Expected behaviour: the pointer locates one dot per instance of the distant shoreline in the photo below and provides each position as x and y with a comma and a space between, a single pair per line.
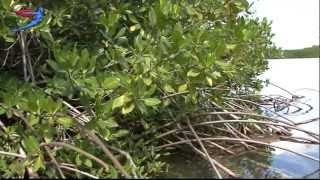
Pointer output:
293, 58
309, 52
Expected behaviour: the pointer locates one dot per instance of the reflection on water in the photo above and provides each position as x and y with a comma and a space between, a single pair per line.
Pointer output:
300, 77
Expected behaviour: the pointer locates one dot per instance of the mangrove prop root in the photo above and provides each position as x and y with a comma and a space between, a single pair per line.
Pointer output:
205, 150
239, 140
81, 118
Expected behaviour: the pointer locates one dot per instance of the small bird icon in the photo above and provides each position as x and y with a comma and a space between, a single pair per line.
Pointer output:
37, 17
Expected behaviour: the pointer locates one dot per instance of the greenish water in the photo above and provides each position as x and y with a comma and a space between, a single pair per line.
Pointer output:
300, 76
187, 166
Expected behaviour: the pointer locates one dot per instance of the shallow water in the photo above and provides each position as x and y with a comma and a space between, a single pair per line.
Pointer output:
300, 77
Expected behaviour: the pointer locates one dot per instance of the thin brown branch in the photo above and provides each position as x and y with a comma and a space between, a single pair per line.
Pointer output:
96, 139
225, 169
24, 56
236, 136
299, 140
69, 146
238, 140
114, 160
243, 113
308, 121
78, 171
232, 115
204, 150
128, 156
222, 148
54, 161
254, 103
247, 121
260, 122
232, 131
13, 154
222, 167
175, 94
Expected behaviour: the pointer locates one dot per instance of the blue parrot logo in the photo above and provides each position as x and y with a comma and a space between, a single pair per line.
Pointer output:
38, 18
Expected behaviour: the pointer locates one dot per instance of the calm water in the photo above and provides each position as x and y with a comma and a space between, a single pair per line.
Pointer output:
300, 77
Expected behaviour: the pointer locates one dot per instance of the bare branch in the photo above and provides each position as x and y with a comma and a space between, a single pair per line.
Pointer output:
69, 146
78, 171
205, 150
238, 140
13, 154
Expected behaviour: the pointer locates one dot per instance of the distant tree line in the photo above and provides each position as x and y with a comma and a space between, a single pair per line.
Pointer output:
309, 52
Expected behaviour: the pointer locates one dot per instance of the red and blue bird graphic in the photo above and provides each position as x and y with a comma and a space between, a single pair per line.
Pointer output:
37, 17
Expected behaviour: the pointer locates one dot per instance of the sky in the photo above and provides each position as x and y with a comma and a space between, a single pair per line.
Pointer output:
295, 22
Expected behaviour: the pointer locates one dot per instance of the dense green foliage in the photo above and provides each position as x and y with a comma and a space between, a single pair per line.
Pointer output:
117, 60
309, 52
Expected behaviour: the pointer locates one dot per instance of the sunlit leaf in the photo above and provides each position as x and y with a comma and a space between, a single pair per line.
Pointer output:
65, 121
127, 109
152, 101
183, 88
209, 81
31, 144
192, 73
120, 101
168, 88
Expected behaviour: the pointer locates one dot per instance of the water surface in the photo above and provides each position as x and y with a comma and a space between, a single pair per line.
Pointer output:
300, 77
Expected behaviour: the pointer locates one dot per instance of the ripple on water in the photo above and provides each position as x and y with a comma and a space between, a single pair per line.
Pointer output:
300, 76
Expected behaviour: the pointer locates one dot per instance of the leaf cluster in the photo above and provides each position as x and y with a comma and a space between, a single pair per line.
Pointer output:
124, 63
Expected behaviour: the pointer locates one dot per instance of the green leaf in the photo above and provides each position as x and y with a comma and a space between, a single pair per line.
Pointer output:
122, 40
209, 81
120, 33
231, 46
133, 19
78, 160
166, 102
190, 10
150, 91
246, 34
111, 83
152, 101
6, 3
134, 27
38, 164
109, 123
168, 88
33, 120
242, 4
216, 74
128, 109
183, 88
54, 66
147, 81
142, 107
65, 121
119, 134
47, 36
88, 163
145, 124
2, 111
192, 73
120, 101
106, 108
152, 17
31, 144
